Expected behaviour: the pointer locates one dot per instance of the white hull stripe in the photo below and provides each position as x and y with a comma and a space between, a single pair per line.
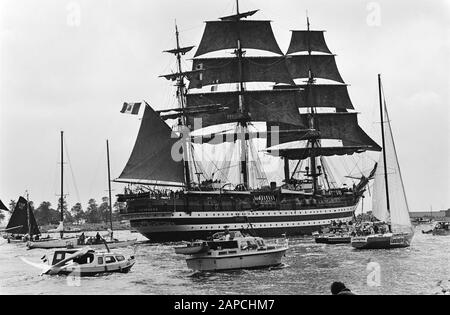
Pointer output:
249, 214
143, 228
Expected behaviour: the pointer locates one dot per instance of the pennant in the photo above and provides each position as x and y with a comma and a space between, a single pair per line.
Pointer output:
131, 108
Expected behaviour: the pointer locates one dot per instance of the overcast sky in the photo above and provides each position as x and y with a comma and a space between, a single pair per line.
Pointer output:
70, 65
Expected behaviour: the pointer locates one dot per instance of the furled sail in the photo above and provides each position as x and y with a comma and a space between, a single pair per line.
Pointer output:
220, 35
226, 70
151, 159
20, 223
399, 214
322, 66
239, 16
302, 41
336, 126
277, 106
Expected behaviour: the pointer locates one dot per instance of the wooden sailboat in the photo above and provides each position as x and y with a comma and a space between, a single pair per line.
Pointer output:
389, 199
22, 225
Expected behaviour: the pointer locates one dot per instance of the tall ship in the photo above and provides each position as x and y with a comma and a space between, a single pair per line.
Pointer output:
241, 79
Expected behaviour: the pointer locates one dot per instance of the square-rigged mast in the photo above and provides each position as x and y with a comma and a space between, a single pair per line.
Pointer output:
278, 106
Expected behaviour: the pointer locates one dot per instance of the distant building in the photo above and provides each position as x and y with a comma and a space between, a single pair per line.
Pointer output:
443, 215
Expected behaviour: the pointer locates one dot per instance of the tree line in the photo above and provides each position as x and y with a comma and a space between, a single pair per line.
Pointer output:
46, 214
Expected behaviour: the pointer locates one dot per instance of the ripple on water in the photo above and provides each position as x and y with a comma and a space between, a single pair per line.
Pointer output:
309, 268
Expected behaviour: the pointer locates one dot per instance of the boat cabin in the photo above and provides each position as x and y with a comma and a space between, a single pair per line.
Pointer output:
88, 258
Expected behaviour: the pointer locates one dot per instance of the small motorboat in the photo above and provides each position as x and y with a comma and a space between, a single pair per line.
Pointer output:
87, 262
334, 239
192, 248
336, 235
231, 251
441, 228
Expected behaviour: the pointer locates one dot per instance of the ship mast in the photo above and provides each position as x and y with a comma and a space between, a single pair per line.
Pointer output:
243, 123
312, 142
384, 144
28, 217
181, 101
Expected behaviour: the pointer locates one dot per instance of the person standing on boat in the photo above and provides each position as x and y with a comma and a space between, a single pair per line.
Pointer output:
98, 238
227, 234
81, 239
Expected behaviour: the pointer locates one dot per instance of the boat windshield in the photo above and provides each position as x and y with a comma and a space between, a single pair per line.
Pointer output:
217, 245
85, 259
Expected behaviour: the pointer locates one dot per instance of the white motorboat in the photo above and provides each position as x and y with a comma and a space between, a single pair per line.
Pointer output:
233, 250
87, 262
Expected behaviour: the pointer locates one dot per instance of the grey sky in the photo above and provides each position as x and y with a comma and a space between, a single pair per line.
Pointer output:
59, 71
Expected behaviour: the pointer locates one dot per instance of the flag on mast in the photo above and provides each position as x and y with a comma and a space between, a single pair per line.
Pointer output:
131, 108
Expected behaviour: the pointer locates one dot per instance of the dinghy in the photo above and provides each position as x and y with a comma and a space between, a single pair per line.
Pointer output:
22, 224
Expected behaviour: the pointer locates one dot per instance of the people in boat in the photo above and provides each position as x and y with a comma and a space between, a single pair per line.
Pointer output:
338, 288
82, 239
98, 239
376, 230
227, 234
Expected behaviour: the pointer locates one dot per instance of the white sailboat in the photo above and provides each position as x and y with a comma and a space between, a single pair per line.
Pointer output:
389, 198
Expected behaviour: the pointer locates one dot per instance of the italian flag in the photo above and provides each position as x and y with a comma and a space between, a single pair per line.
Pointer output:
131, 108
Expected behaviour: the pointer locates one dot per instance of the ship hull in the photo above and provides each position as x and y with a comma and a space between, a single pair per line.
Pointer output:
181, 226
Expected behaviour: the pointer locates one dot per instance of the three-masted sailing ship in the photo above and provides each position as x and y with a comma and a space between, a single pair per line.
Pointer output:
299, 112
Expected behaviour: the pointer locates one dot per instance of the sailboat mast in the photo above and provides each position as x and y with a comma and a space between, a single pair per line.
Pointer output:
242, 110
28, 215
384, 144
109, 186
62, 182
180, 94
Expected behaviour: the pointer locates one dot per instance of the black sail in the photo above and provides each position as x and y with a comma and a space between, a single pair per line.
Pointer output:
220, 35
334, 126
326, 95
303, 41
19, 223
226, 70
151, 159
322, 67
277, 106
